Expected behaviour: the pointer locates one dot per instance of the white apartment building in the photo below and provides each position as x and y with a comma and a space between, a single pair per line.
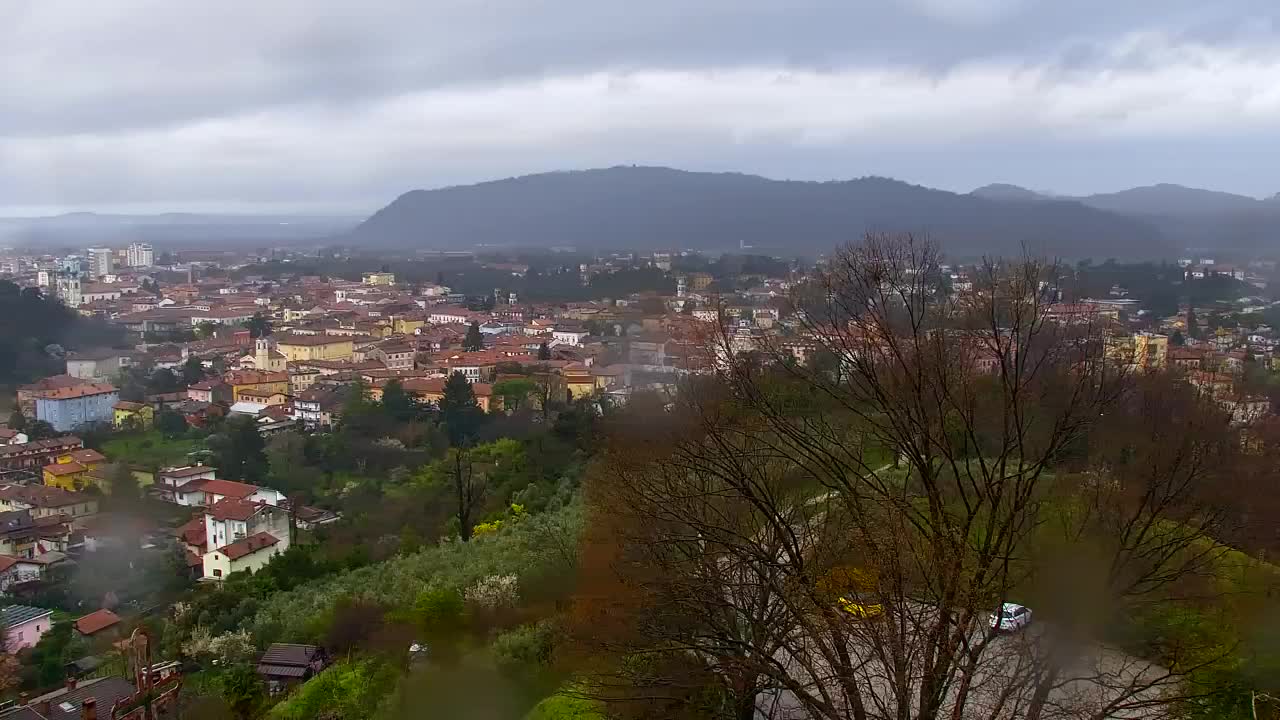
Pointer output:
140, 255
101, 261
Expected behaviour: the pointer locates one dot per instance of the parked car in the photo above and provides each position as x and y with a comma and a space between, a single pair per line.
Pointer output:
1011, 618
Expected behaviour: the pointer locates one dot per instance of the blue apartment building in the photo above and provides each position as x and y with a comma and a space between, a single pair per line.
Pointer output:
68, 408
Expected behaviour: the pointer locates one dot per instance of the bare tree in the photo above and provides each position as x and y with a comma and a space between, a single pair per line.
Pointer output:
953, 451
469, 486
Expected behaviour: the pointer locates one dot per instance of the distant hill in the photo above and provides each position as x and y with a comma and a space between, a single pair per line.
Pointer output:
1005, 191
1167, 199
1195, 218
653, 207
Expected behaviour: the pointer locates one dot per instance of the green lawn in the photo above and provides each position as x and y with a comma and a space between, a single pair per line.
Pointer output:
150, 449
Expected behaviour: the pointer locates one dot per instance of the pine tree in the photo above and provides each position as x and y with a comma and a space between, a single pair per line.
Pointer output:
544, 352
1192, 331
474, 340
459, 410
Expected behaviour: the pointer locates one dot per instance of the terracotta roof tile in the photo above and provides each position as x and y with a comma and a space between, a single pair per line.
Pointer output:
96, 621
249, 545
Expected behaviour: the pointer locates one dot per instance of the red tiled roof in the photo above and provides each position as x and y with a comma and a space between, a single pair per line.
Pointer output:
76, 391
192, 531
229, 488
87, 455
96, 621
249, 545
7, 562
70, 468
233, 509
255, 377
45, 496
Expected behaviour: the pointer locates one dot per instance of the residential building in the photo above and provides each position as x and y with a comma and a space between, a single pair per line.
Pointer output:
67, 476
98, 365
24, 625
318, 408
68, 408
241, 380
140, 255
27, 393
266, 398
298, 347
379, 278
88, 457
432, 390
15, 571
243, 535
578, 380
97, 697
23, 536
133, 415
572, 336
98, 623
37, 453
47, 501
101, 261
223, 316
210, 391
284, 665
247, 555
396, 356
209, 492
169, 480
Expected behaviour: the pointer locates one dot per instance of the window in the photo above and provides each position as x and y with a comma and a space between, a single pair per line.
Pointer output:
217, 573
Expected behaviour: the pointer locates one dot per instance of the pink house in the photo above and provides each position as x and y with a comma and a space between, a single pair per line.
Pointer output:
23, 625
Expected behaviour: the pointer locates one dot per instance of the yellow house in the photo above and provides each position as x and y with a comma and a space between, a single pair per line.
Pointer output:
300, 348
269, 382
132, 414
68, 476
379, 278
89, 458
265, 397
578, 380
406, 325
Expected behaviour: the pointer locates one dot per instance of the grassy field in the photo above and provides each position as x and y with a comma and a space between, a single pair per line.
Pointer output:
150, 449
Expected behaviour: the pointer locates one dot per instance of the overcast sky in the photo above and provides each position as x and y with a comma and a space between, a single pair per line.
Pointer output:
342, 105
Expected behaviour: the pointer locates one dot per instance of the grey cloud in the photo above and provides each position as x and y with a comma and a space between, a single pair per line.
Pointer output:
238, 101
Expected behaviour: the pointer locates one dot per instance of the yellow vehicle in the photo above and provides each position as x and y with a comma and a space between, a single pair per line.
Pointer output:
861, 609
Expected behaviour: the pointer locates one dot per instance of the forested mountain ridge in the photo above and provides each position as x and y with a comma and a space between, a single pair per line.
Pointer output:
654, 207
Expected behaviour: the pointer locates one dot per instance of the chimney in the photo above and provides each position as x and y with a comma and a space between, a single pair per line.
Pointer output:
89, 710
23, 698
70, 683
42, 708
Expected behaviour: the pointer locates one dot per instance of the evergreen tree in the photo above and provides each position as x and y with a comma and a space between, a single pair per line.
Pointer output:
17, 421
239, 452
259, 326
1177, 339
1192, 331
192, 371
398, 404
544, 352
474, 340
459, 410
